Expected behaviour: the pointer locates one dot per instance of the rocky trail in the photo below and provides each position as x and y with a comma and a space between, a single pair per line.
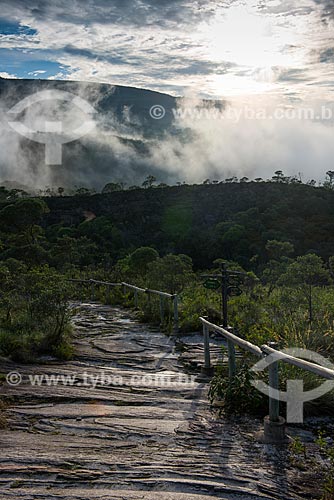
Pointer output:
130, 423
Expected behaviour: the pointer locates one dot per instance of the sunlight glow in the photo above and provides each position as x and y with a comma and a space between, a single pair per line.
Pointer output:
247, 38
252, 44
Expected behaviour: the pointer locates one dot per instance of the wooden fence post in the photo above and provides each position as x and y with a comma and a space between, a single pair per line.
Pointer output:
273, 386
274, 425
231, 356
136, 299
207, 359
92, 291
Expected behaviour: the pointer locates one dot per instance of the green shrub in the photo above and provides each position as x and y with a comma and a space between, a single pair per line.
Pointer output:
64, 351
34, 313
237, 394
327, 452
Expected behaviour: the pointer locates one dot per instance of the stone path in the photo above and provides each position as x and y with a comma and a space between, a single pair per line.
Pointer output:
135, 438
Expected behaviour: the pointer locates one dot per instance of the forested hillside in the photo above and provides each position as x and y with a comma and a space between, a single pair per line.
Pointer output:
206, 222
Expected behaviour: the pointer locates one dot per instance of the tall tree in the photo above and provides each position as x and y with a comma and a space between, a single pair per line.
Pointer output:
306, 273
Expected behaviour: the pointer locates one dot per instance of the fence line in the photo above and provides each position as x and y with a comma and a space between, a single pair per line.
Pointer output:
262, 352
244, 344
136, 290
321, 371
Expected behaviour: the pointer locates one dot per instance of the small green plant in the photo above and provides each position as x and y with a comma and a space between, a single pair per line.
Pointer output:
218, 385
64, 351
237, 395
298, 454
298, 447
328, 487
327, 451
321, 440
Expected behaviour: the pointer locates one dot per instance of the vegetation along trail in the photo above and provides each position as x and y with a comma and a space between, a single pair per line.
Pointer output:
133, 437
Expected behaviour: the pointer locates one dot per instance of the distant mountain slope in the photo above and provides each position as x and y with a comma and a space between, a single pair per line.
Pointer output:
105, 98
125, 144
115, 150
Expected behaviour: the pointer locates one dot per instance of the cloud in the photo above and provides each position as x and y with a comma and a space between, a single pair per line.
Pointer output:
327, 56
38, 72
293, 75
249, 146
4, 74
128, 146
262, 52
327, 8
120, 12
212, 48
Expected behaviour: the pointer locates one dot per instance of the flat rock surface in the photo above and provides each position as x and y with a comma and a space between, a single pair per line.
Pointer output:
124, 420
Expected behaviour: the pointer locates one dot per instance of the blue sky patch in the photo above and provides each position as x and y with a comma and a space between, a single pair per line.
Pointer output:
30, 64
14, 28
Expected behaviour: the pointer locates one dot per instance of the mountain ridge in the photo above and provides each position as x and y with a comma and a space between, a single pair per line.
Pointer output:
125, 144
